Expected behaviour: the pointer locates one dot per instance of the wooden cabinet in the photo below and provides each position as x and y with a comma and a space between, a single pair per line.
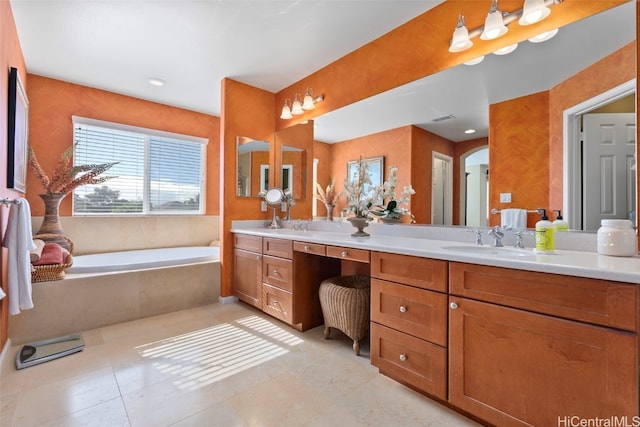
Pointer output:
247, 269
409, 321
282, 277
518, 356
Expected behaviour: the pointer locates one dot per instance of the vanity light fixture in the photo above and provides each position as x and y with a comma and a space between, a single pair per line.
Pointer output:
496, 22
298, 107
533, 11
475, 61
506, 50
543, 37
286, 111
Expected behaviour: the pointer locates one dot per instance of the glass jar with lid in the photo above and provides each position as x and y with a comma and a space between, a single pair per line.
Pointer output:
617, 237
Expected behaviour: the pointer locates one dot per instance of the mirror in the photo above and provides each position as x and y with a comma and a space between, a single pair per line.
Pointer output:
466, 92
252, 174
292, 170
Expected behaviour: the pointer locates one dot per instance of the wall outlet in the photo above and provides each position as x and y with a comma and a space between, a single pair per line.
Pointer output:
505, 197
263, 206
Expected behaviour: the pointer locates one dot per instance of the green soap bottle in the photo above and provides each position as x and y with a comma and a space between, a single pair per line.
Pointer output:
545, 242
560, 224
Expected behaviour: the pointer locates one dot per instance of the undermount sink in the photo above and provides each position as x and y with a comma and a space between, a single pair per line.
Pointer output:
501, 252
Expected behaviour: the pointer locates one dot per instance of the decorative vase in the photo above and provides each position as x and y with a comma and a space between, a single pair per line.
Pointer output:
329, 212
359, 223
51, 228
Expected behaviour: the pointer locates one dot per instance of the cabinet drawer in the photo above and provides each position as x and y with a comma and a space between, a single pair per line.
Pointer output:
417, 312
246, 242
415, 271
277, 247
310, 248
410, 360
360, 255
277, 303
590, 300
277, 272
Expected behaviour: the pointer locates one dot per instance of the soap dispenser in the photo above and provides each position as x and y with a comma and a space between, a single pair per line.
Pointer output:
544, 234
560, 224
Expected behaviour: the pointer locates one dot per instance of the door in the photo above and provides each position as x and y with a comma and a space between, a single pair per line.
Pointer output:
608, 178
247, 277
442, 190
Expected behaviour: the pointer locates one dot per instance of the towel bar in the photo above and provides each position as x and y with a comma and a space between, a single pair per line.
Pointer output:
538, 211
7, 202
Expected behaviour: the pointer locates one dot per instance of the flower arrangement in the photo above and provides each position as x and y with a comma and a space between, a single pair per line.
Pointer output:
65, 177
328, 195
386, 193
359, 201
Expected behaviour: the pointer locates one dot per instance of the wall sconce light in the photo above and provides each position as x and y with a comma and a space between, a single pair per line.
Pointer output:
299, 107
495, 25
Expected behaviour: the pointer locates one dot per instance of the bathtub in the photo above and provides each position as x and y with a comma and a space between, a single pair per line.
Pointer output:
110, 288
142, 259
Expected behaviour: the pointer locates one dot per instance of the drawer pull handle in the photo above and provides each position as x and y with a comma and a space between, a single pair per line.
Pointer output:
345, 253
403, 357
307, 248
258, 257
453, 305
275, 273
403, 309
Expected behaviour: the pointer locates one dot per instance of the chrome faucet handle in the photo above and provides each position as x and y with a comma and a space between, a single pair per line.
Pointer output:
478, 232
519, 240
497, 234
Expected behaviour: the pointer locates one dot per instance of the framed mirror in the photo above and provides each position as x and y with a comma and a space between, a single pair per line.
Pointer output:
252, 166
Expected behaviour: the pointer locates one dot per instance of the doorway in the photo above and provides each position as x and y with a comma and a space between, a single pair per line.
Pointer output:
589, 195
474, 188
442, 189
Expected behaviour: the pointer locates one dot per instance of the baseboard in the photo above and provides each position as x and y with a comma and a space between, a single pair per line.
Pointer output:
228, 300
4, 353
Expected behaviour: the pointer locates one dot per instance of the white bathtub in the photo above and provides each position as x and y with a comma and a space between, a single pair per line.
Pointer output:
142, 259
110, 288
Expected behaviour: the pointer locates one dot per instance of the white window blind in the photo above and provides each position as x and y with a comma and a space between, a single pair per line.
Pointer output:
155, 173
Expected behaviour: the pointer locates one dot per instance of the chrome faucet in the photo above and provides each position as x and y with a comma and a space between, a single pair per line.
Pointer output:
478, 232
519, 240
497, 234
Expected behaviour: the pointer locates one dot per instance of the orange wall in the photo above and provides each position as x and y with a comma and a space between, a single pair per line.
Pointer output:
246, 111
10, 56
53, 102
612, 71
519, 146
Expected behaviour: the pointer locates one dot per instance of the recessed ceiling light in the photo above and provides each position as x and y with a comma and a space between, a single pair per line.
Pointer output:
470, 131
156, 82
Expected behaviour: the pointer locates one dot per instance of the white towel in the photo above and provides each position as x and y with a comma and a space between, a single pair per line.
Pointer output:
513, 219
19, 242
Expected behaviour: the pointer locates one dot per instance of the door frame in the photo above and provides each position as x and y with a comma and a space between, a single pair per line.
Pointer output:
448, 188
571, 174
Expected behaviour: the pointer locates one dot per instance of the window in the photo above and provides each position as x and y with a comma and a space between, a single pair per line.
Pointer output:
156, 173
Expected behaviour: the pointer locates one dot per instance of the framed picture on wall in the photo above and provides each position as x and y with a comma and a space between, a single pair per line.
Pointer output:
18, 132
375, 166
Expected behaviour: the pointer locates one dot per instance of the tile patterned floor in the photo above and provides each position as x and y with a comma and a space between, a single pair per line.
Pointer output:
217, 365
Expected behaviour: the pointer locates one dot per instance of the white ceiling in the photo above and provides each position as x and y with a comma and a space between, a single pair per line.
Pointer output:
118, 45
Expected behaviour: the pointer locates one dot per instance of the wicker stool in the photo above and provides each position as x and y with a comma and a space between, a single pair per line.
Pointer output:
345, 306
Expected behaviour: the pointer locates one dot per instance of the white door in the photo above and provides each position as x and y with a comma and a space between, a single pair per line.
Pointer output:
442, 190
608, 178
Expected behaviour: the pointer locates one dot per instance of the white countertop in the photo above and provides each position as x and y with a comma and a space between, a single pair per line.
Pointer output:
394, 239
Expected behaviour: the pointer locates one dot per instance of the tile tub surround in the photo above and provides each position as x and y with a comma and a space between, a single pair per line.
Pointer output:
81, 302
98, 234
123, 377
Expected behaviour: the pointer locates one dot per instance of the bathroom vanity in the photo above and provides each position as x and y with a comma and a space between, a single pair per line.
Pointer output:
505, 335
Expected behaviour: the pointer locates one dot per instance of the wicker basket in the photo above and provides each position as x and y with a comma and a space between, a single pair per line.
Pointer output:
50, 272
345, 302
